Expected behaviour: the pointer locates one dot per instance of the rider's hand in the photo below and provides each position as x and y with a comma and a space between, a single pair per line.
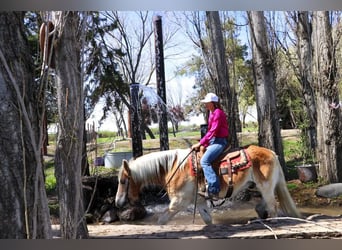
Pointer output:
196, 146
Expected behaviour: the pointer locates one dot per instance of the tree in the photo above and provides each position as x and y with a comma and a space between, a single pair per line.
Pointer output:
104, 80
304, 52
329, 120
24, 212
299, 59
204, 67
264, 81
220, 72
122, 47
69, 28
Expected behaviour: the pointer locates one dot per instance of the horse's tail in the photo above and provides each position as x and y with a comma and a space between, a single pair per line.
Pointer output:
284, 197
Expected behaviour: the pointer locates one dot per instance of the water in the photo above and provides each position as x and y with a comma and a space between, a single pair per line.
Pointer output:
148, 97
229, 213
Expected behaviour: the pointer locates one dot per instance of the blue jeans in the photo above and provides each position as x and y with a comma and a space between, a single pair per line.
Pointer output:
215, 148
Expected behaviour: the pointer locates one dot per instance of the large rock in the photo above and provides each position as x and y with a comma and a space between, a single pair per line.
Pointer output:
99, 197
329, 191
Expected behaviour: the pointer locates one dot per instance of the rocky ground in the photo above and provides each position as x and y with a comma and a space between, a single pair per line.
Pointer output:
312, 225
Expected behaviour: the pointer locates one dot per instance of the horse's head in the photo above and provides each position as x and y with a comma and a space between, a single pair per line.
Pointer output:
128, 191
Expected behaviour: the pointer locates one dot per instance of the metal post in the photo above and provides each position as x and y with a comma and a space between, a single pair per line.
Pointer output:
160, 73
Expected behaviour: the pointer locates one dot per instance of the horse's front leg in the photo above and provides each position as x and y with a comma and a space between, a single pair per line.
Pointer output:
180, 199
166, 216
176, 204
204, 210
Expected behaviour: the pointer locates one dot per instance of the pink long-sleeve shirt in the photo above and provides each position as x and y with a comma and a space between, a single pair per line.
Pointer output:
217, 127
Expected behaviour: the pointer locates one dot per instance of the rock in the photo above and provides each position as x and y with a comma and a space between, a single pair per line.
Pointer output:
110, 216
329, 191
133, 213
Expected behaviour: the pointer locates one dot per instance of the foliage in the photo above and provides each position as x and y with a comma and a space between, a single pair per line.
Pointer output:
240, 70
289, 94
50, 184
103, 77
50, 179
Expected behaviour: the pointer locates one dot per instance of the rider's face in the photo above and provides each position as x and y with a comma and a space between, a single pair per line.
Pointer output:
209, 106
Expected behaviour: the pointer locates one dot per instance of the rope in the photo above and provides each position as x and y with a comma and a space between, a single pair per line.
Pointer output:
196, 190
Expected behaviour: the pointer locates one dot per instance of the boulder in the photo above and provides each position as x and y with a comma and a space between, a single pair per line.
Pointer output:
330, 190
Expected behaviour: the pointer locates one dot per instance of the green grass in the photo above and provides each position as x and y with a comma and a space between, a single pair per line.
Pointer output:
50, 179
291, 186
50, 183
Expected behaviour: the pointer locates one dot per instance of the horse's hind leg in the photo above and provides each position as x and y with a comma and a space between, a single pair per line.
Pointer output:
268, 205
261, 210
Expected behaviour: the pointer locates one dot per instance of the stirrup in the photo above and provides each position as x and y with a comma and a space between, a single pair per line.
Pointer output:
209, 196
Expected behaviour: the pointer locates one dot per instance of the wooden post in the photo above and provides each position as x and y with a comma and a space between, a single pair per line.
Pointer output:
134, 110
160, 73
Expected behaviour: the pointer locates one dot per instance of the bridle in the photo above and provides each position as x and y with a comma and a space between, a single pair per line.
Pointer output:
126, 183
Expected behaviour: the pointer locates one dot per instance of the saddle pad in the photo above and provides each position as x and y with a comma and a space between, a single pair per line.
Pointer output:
240, 162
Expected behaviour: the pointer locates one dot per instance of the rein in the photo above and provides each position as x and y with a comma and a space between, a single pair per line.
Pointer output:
168, 181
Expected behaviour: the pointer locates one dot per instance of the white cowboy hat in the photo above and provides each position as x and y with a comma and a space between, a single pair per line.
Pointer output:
210, 97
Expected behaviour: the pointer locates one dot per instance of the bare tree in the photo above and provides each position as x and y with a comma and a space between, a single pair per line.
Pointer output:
301, 64
263, 66
219, 69
24, 212
304, 52
329, 120
69, 147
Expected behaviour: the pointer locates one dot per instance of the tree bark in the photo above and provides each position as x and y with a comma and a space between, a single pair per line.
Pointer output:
304, 52
220, 73
24, 211
68, 156
329, 120
263, 68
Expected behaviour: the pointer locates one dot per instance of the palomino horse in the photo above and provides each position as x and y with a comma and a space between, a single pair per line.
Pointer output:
172, 170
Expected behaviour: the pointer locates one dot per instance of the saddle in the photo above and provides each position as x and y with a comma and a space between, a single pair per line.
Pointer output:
232, 160
229, 162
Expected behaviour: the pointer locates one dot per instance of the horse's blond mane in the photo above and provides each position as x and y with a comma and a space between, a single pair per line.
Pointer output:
151, 168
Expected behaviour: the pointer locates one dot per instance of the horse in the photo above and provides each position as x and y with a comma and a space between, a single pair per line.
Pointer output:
172, 170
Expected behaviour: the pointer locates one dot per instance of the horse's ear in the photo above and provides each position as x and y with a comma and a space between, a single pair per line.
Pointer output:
125, 165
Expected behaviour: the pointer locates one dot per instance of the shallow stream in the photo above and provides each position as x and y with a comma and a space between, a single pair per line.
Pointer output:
228, 213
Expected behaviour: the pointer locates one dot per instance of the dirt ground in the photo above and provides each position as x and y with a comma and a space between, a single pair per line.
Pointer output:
304, 196
311, 226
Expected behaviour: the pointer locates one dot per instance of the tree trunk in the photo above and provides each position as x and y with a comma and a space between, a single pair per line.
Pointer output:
24, 211
304, 52
263, 68
68, 157
220, 73
329, 120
